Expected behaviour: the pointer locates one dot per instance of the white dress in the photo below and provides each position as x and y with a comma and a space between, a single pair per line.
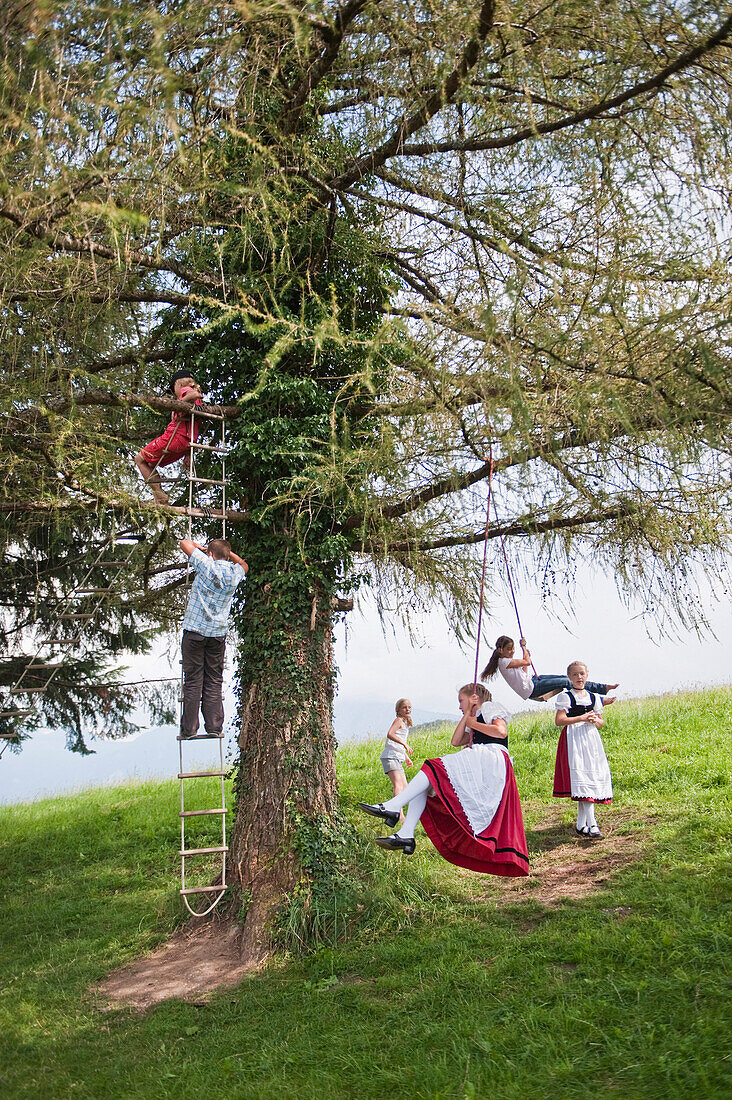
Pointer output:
474, 818
581, 771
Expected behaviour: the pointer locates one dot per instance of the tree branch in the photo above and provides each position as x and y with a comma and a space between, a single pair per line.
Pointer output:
653, 84
526, 526
545, 449
152, 297
393, 145
126, 359
452, 484
66, 242
522, 238
26, 507
63, 404
322, 63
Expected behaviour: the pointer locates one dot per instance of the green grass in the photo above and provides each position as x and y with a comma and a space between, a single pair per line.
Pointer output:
453, 986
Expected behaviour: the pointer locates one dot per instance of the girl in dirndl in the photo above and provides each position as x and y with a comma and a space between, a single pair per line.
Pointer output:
581, 771
467, 801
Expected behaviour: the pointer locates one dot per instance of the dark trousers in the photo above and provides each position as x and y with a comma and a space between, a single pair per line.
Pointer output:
546, 683
203, 674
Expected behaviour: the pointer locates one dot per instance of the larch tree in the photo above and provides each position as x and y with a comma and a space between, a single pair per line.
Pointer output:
410, 247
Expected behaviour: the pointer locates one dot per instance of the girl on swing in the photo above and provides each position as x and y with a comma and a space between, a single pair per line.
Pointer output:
467, 801
518, 672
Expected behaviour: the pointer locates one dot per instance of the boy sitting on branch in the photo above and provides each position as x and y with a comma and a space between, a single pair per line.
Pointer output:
175, 442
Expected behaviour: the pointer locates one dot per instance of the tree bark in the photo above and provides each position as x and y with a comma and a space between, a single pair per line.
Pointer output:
286, 770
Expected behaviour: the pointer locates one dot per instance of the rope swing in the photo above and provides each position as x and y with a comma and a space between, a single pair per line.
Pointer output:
485, 561
481, 599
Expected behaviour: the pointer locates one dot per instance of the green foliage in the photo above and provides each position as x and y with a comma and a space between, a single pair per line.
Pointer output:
523, 266
321, 907
416, 249
48, 568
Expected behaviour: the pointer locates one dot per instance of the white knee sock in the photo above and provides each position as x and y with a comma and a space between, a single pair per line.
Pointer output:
418, 785
416, 805
591, 822
582, 814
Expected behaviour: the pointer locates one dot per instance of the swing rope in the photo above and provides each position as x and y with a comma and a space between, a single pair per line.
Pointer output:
492, 499
485, 561
510, 585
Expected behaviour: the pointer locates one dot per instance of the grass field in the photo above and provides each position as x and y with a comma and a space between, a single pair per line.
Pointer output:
604, 974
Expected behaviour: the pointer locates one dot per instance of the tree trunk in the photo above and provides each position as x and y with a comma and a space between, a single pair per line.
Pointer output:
286, 769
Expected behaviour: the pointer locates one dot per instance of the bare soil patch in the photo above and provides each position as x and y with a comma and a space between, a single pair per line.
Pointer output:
195, 962
563, 866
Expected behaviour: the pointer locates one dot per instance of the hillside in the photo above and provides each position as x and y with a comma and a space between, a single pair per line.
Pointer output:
603, 973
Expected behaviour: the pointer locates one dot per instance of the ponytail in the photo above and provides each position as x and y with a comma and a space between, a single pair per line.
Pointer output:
492, 667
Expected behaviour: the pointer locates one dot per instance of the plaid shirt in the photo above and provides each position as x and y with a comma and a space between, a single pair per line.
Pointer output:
212, 591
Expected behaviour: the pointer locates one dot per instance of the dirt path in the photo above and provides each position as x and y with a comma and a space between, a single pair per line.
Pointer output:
566, 866
195, 962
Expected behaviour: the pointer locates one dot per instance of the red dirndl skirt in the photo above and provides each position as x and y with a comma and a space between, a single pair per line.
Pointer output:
599, 786
499, 849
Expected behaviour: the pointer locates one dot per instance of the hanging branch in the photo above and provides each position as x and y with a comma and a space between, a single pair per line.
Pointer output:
106, 399
364, 165
526, 526
584, 114
51, 507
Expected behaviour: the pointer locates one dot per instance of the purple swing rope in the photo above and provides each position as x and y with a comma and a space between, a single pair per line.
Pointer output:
492, 498
485, 560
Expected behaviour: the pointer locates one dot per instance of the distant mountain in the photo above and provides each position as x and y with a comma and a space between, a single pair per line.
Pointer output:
364, 719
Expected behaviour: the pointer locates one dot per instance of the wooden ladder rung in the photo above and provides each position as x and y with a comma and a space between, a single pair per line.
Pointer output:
16, 713
199, 775
92, 591
109, 564
204, 513
71, 615
207, 481
204, 889
39, 666
200, 813
30, 691
201, 737
202, 851
219, 449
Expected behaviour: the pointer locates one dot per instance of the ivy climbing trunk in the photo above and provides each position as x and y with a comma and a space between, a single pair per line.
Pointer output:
286, 769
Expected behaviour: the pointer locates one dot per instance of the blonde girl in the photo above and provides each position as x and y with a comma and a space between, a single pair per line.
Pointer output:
397, 751
581, 771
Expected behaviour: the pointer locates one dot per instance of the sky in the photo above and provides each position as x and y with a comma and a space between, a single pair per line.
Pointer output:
379, 663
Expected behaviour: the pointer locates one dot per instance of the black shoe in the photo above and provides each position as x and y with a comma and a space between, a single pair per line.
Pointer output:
593, 833
584, 832
389, 816
396, 844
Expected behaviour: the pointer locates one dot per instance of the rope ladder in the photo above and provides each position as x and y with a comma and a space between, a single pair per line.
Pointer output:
216, 892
